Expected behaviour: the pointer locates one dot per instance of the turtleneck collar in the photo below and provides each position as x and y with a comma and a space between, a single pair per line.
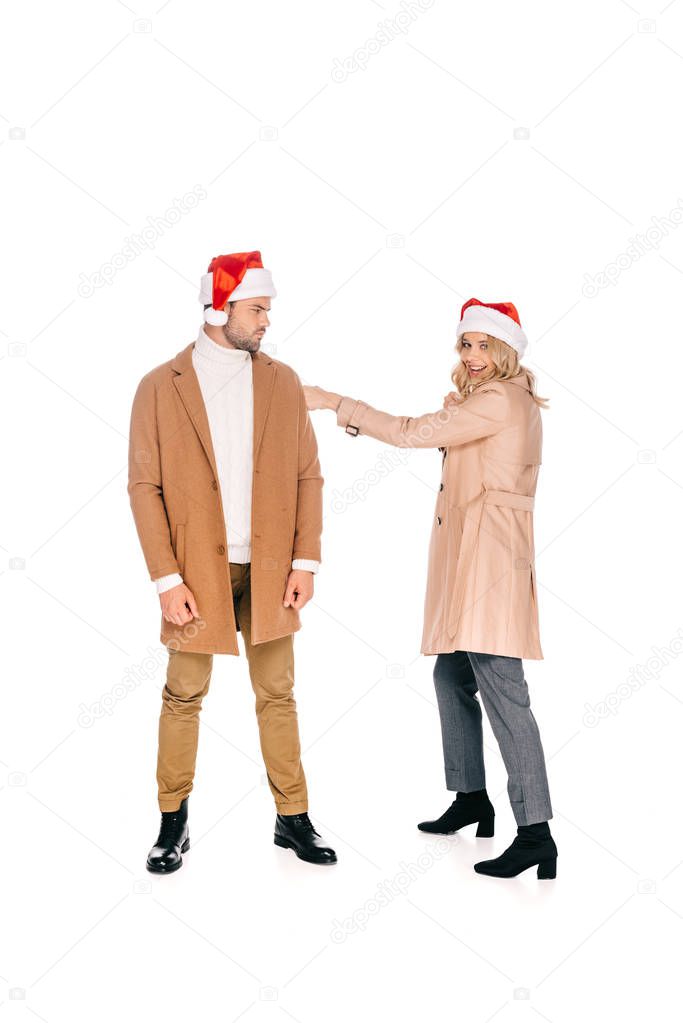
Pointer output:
209, 349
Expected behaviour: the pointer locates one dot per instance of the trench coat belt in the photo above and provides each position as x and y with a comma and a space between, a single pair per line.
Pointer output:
468, 543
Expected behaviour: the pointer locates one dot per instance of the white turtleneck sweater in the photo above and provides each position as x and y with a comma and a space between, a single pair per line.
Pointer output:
225, 380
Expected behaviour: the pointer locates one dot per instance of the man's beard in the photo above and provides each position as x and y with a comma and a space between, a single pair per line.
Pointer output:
240, 338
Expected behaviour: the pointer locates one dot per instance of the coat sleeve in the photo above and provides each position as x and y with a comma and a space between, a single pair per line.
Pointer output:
144, 484
309, 505
481, 415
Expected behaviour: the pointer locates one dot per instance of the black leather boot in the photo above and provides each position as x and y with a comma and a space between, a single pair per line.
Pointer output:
468, 808
295, 831
533, 845
174, 839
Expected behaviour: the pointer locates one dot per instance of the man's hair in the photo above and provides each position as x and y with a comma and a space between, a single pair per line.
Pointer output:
208, 305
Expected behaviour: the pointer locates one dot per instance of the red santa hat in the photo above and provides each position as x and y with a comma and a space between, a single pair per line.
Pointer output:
500, 319
231, 278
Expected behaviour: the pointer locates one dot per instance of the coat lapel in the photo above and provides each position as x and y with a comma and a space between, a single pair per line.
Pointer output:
264, 380
188, 388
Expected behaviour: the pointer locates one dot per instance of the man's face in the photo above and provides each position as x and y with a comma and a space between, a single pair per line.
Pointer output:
247, 323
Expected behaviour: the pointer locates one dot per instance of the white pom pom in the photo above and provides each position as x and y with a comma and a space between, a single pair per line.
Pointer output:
216, 317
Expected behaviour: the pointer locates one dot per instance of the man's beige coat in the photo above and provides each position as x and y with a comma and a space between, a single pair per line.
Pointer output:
177, 506
481, 584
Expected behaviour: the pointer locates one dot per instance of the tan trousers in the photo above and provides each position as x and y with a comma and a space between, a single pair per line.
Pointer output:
271, 668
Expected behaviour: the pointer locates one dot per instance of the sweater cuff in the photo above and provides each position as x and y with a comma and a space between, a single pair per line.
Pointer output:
305, 565
166, 582
350, 415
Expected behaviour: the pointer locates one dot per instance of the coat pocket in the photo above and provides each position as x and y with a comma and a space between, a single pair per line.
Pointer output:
180, 546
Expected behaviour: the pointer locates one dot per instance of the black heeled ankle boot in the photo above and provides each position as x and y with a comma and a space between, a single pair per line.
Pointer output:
468, 808
295, 831
174, 839
533, 846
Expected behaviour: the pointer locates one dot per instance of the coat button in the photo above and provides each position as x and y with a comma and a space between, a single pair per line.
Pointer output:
441, 487
214, 485
438, 519
220, 548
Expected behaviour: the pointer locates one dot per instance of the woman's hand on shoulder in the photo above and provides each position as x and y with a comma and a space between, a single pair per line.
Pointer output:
317, 398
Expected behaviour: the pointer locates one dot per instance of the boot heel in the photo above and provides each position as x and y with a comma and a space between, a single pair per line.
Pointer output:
485, 827
281, 842
547, 869
186, 845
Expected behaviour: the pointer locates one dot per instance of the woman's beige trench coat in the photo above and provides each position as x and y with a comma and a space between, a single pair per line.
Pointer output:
177, 506
481, 582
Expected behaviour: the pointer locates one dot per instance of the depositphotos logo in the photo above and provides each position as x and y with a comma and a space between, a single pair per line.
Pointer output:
387, 30
140, 242
650, 671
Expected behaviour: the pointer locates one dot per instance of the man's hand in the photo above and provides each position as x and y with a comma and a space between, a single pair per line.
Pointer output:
299, 589
173, 604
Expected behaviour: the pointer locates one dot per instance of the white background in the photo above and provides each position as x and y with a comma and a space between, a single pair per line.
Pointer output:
506, 151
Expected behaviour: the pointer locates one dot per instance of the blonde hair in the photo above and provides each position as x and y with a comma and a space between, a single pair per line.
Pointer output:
506, 364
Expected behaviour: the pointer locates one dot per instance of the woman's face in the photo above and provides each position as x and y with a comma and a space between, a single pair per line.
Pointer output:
475, 354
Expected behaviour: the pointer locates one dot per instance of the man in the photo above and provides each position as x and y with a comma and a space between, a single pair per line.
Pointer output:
226, 493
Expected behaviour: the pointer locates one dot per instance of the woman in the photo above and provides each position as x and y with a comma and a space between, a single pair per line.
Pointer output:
481, 615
